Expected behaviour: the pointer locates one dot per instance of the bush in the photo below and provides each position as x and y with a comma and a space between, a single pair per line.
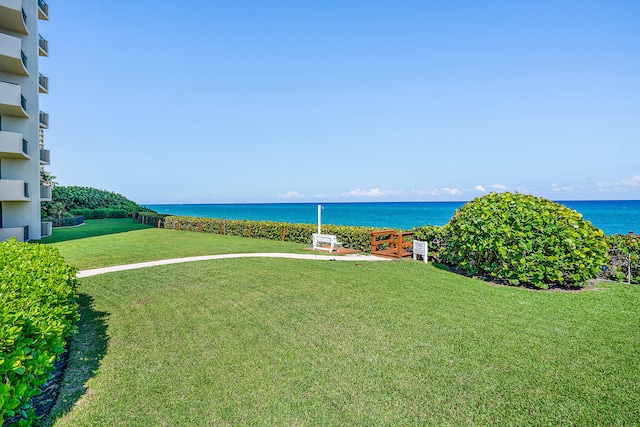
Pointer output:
522, 239
100, 213
38, 310
75, 197
358, 238
65, 222
624, 258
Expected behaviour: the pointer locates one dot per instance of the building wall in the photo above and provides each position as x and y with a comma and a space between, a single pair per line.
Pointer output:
23, 213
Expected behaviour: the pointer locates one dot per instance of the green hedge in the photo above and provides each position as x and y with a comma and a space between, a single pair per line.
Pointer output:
65, 222
150, 218
358, 238
100, 213
38, 310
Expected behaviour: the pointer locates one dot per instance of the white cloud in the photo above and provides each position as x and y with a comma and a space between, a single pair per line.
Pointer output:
619, 187
446, 190
291, 195
633, 181
611, 188
558, 188
494, 187
400, 193
374, 192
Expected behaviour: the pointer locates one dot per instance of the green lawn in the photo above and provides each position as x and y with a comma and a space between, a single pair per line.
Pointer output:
93, 228
106, 242
293, 342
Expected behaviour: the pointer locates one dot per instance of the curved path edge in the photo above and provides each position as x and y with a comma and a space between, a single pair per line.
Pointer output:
124, 267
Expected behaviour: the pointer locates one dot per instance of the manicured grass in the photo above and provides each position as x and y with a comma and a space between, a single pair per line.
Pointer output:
93, 228
106, 242
293, 342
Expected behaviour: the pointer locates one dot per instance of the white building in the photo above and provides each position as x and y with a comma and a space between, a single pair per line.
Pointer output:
21, 122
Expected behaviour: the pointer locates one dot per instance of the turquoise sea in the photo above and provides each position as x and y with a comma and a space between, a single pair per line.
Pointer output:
619, 216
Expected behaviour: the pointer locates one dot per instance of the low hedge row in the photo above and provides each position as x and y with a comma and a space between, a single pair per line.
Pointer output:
358, 238
65, 222
38, 309
100, 213
150, 218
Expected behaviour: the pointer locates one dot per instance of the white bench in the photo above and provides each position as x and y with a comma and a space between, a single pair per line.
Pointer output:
325, 239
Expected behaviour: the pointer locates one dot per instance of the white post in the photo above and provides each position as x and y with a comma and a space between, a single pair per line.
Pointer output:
319, 218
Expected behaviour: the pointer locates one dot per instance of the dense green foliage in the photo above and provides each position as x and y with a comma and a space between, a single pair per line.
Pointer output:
358, 238
37, 311
522, 239
66, 199
100, 213
624, 258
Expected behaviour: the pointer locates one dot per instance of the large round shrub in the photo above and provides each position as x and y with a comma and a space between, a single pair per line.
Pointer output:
522, 239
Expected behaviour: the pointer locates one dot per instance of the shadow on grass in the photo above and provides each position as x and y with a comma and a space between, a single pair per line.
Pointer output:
86, 349
93, 228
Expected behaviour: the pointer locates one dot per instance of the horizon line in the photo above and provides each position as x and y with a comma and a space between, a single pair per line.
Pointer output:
363, 201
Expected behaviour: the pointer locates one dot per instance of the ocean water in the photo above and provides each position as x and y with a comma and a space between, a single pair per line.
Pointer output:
613, 217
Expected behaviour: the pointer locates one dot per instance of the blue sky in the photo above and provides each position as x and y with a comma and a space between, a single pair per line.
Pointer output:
297, 101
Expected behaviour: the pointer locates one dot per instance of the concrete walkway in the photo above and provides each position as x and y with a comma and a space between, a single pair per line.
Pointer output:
96, 271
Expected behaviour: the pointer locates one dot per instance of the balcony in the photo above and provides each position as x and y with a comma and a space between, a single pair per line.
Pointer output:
14, 191
45, 229
45, 157
43, 10
44, 120
43, 84
12, 58
12, 103
43, 46
45, 193
12, 146
12, 16
20, 233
